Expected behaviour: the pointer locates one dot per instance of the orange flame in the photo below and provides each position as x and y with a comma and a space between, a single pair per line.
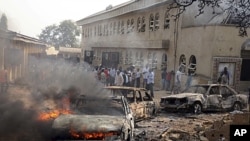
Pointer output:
95, 135
52, 114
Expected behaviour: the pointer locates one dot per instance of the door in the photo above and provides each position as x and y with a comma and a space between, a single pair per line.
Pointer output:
228, 97
214, 98
110, 59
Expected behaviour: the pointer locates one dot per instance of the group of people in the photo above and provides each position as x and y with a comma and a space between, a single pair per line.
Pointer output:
126, 77
166, 78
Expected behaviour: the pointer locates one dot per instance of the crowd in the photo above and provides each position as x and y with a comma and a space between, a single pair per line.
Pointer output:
131, 76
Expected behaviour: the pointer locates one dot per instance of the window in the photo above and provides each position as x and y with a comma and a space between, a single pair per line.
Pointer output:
114, 28
110, 29
128, 26
182, 63
157, 18
192, 64
139, 24
164, 60
95, 31
126, 58
132, 25
119, 27
143, 25
154, 60
151, 22
122, 28
167, 20
107, 29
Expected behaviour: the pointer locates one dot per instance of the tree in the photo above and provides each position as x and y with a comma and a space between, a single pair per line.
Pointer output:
63, 35
3, 22
237, 10
50, 35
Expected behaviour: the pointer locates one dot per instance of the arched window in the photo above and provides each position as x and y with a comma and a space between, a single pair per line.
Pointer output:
110, 29
114, 28
119, 28
139, 24
122, 27
182, 63
151, 22
132, 25
128, 26
192, 64
164, 58
95, 31
166, 21
143, 24
157, 21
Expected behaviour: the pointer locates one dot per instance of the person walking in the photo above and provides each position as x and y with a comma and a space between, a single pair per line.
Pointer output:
163, 78
150, 82
138, 78
178, 74
168, 80
145, 72
119, 79
189, 79
224, 77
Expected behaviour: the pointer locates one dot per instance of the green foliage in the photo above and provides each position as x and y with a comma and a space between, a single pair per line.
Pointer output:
3, 22
63, 35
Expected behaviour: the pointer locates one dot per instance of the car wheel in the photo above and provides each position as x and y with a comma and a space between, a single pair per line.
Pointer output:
236, 106
196, 108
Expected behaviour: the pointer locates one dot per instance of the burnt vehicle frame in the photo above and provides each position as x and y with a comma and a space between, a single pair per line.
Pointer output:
205, 97
85, 124
140, 101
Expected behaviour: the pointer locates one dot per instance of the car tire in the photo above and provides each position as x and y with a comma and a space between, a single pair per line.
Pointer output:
236, 106
196, 108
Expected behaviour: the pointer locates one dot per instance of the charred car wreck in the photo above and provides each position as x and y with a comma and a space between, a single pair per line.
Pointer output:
96, 119
205, 97
141, 103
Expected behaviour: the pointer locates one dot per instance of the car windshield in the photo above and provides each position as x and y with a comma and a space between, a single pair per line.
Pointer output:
104, 106
197, 89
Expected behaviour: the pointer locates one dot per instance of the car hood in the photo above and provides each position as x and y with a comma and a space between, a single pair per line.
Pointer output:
89, 123
182, 95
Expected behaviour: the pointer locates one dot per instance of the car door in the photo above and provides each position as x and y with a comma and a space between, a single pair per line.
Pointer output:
129, 114
214, 98
228, 97
148, 103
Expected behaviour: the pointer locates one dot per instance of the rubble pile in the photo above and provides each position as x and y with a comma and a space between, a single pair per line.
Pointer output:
187, 127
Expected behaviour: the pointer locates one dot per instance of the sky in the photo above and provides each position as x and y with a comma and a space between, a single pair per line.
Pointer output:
29, 17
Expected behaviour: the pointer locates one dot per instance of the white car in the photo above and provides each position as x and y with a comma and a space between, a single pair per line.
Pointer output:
205, 97
96, 119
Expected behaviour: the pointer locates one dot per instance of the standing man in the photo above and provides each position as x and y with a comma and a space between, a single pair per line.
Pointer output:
163, 78
150, 82
145, 72
112, 74
138, 78
189, 79
178, 80
224, 77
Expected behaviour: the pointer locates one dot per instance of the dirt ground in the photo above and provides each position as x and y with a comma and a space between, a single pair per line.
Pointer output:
165, 126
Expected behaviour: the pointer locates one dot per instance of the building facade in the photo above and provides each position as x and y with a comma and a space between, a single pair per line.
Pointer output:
16, 50
141, 32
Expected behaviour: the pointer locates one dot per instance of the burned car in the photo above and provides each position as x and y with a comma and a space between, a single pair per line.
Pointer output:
205, 97
140, 101
96, 119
